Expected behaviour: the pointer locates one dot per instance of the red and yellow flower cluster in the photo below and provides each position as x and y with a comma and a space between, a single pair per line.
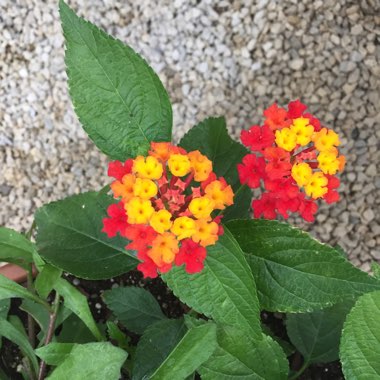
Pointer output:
165, 204
295, 158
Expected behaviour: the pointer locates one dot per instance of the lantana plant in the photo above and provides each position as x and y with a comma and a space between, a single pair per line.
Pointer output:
186, 214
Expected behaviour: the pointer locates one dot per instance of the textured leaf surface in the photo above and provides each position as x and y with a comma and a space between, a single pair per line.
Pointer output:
55, 353
134, 307
316, 335
77, 303
360, 343
194, 348
118, 98
224, 290
46, 280
293, 271
15, 248
69, 237
376, 270
10, 332
211, 138
239, 357
90, 361
155, 345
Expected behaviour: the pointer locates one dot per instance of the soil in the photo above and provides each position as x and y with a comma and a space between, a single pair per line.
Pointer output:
171, 307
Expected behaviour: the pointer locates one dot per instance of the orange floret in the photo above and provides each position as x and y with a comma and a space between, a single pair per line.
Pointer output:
124, 189
201, 165
164, 249
221, 194
206, 232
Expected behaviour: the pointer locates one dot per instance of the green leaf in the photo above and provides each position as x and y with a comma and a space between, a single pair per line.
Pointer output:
360, 342
316, 335
117, 335
134, 307
375, 269
77, 303
10, 289
225, 289
118, 98
90, 361
10, 332
293, 271
155, 345
54, 353
15, 248
211, 138
237, 357
69, 237
285, 345
74, 331
194, 348
46, 280
39, 313
4, 308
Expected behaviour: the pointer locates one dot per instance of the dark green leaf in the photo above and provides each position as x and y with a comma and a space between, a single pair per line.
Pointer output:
54, 353
224, 290
10, 332
134, 307
285, 345
360, 342
74, 331
316, 335
194, 348
77, 303
46, 280
237, 357
293, 271
69, 236
90, 361
118, 98
211, 138
155, 345
15, 248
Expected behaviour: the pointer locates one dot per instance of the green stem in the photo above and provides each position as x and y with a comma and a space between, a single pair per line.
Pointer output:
29, 233
300, 371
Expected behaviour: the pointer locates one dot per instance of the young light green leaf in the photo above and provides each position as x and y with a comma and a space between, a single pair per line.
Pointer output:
46, 280
360, 342
293, 271
54, 353
118, 98
375, 269
77, 303
224, 290
70, 237
134, 307
90, 361
15, 248
10, 332
117, 335
237, 357
193, 349
316, 335
155, 345
211, 138
4, 308
10, 289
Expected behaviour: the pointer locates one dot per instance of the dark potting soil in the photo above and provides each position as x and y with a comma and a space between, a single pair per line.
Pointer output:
171, 307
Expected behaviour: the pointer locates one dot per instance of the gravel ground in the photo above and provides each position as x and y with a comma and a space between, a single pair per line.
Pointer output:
230, 58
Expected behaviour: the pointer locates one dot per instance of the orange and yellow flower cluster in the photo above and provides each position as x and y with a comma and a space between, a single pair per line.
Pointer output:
166, 204
295, 158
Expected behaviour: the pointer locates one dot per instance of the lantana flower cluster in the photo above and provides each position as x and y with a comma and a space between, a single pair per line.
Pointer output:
295, 158
166, 202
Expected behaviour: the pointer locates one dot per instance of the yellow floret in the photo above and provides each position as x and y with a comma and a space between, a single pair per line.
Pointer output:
206, 233
139, 210
145, 188
201, 207
325, 139
201, 164
183, 227
316, 187
328, 161
179, 164
303, 130
286, 139
302, 173
222, 197
148, 167
161, 221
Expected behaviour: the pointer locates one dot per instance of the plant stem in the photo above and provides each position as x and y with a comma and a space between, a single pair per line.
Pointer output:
29, 233
31, 324
50, 333
300, 371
